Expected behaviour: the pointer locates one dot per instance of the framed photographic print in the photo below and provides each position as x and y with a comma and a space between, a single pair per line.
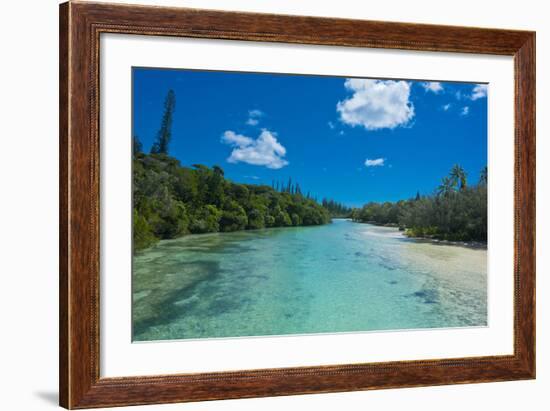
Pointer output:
258, 205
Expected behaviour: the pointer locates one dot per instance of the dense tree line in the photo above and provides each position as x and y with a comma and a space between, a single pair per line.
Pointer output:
456, 211
171, 201
336, 209
289, 187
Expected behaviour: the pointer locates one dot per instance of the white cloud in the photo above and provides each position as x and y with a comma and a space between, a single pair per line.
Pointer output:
331, 125
446, 107
377, 162
263, 151
376, 104
479, 91
433, 86
232, 138
254, 117
465, 111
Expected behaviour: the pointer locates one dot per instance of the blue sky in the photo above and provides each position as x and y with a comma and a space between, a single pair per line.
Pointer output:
352, 140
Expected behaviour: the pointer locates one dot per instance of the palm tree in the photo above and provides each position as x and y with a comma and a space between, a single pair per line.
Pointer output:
483, 176
458, 175
446, 187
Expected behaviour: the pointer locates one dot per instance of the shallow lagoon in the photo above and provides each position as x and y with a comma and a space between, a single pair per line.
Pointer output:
340, 277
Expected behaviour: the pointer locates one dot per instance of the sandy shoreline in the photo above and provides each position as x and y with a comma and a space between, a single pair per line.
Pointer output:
478, 245
468, 244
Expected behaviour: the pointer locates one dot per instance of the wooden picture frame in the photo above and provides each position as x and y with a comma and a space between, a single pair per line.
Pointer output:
80, 27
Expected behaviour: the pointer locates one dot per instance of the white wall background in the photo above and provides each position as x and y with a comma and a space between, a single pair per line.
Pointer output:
28, 204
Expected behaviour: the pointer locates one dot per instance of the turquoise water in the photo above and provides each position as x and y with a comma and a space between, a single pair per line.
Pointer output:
340, 277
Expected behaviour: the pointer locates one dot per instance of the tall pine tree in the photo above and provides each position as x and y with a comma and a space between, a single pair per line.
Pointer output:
165, 132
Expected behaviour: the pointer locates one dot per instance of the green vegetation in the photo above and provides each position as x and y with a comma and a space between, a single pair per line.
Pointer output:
336, 210
455, 212
171, 201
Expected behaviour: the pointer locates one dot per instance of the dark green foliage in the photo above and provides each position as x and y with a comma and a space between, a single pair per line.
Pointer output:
171, 200
143, 234
336, 209
165, 132
456, 212
205, 219
233, 217
381, 213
